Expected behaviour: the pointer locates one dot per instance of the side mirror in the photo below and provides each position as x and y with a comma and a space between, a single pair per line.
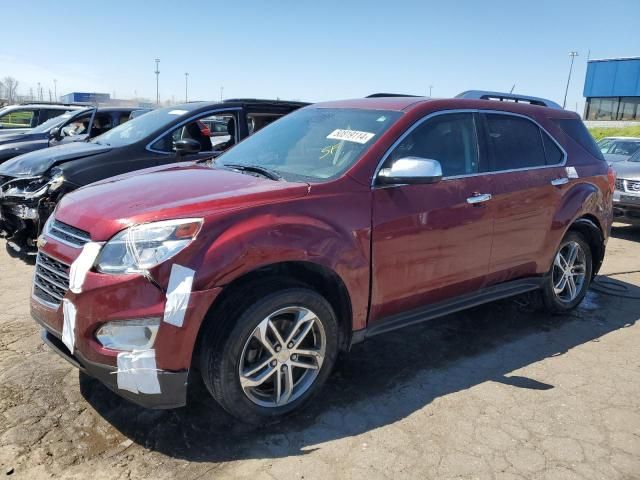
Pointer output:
411, 171
54, 133
186, 146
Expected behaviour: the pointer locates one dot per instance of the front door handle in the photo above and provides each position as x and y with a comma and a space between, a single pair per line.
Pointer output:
556, 182
479, 198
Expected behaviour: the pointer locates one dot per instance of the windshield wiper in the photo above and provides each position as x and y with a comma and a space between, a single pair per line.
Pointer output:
270, 174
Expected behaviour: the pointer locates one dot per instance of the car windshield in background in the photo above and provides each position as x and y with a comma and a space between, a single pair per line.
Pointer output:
619, 147
313, 143
139, 127
635, 157
52, 122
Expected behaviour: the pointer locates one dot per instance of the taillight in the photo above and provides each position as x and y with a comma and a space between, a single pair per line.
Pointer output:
611, 175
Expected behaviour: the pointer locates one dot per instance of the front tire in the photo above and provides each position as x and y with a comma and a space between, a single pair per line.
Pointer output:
569, 278
274, 355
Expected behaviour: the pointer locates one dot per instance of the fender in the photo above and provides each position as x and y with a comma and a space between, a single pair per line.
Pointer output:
247, 241
582, 204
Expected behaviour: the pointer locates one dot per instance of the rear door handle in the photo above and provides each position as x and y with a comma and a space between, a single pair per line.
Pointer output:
559, 181
479, 198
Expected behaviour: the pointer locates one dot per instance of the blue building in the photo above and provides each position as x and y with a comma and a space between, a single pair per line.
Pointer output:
612, 89
85, 97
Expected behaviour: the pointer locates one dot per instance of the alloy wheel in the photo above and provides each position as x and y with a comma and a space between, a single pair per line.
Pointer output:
569, 272
283, 356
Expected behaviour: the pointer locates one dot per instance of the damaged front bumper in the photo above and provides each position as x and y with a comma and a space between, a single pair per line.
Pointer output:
21, 222
23, 215
173, 385
108, 298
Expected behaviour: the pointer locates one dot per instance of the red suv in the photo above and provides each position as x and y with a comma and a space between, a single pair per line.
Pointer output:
340, 221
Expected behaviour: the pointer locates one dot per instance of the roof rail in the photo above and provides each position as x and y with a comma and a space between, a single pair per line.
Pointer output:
55, 104
512, 97
380, 95
266, 101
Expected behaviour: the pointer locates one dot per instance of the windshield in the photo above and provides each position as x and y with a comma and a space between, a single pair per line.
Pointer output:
52, 122
313, 143
635, 157
139, 127
619, 147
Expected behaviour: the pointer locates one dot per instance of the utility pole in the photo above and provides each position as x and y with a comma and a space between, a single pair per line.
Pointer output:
430, 89
157, 72
55, 89
221, 90
186, 87
573, 55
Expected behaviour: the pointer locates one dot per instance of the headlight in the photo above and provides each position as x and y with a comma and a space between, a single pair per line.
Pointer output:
26, 188
141, 247
129, 334
56, 181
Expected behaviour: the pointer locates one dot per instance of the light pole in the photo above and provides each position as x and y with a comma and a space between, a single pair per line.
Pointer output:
39, 92
573, 55
157, 72
430, 89
221, 90
55, 89
186, 87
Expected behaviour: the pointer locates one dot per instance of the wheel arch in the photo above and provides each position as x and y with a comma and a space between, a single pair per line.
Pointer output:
589, 227
319, 278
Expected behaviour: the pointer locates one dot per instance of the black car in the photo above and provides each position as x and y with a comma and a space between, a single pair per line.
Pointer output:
76, 126
32, 184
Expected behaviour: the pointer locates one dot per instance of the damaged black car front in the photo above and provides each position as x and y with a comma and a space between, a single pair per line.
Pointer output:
25, 205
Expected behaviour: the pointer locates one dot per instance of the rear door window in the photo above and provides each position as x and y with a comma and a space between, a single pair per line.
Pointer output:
513, 142
23, 118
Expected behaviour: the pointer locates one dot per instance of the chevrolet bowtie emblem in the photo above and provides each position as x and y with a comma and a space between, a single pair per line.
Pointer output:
41, 241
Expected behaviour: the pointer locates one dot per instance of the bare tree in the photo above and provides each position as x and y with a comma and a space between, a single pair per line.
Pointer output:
10, 88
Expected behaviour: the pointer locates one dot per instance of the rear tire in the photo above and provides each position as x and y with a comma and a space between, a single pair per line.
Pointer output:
569, 278
274, 354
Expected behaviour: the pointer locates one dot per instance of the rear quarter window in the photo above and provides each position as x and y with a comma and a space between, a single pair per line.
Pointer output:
551, 150
575, 129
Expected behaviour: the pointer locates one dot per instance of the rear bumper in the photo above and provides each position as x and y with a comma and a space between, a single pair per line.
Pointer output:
173, 385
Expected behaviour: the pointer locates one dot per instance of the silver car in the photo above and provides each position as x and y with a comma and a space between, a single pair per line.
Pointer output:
618, 149
626, 198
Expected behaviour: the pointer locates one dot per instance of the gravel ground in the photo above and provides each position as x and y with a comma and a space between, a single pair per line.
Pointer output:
498, 392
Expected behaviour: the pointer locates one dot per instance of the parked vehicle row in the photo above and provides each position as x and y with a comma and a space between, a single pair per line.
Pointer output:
253, 266
32, 184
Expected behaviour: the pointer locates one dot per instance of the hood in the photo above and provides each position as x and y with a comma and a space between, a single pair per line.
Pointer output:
21, 137
13, 131
627, 170
10, 150
615, 157
38, 162
105, 208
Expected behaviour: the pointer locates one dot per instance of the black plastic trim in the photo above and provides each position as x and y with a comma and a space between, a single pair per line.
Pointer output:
446, 307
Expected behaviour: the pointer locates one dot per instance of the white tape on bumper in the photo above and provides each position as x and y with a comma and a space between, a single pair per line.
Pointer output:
81, 266
69, 324
178, 293
137, 372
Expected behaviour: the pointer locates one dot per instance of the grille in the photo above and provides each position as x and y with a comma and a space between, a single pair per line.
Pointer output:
633, 186
51, 279
67, 234
620, 184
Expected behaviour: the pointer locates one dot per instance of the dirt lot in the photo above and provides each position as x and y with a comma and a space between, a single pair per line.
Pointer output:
496, 392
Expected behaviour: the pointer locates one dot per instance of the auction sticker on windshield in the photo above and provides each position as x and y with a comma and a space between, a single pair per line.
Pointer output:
351, 135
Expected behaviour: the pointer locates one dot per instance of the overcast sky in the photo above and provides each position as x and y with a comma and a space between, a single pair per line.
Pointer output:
313, 50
